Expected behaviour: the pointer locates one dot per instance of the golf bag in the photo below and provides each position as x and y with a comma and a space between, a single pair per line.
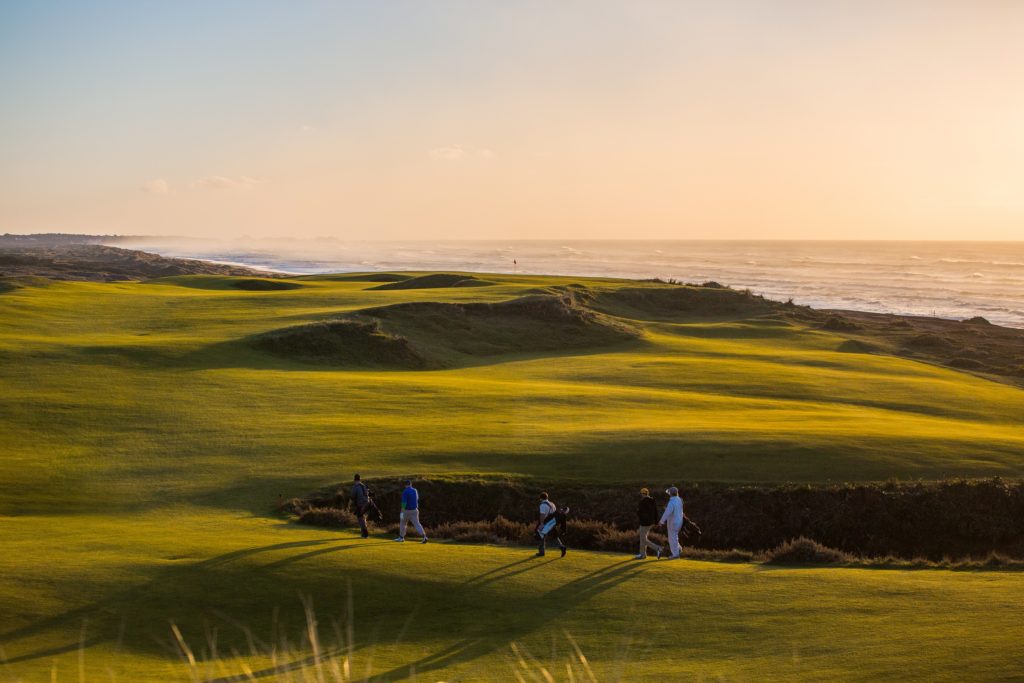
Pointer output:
555, 519
690, 528
372, 512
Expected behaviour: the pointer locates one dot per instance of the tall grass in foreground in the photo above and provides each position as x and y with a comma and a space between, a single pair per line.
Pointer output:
314, 658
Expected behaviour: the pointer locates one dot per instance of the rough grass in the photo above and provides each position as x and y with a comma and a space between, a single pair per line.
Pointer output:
365, 277
341, 342
251, 284
683, 302
434, 335
956, 524
974, 345
435, 281
332, 518
466, 332
857, 346
805, 551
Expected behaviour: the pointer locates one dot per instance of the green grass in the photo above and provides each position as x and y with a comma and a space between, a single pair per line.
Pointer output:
142, 442
142, 394
453, 611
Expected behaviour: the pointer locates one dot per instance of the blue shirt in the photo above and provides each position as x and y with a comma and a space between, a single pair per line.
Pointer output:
410, 498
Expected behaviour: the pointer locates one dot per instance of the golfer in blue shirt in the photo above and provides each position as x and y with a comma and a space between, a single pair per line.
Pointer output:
410, 513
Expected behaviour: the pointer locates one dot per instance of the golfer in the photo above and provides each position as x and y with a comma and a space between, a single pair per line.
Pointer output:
550, 520
361, 501
673, 519
410, 513
647, 515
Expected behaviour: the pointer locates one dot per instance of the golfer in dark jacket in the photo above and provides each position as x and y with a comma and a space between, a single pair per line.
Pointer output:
647, 513
361, 500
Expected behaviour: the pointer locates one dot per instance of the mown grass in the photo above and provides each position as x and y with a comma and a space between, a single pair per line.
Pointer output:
141, 394
452, 611
143, 443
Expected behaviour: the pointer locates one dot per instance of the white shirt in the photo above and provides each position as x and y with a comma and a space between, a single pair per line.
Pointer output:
673, 512
546, 508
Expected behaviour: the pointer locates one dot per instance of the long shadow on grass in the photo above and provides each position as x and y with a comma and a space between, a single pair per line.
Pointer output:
104, 616
241, 354
566, 597
563, 599
219, 587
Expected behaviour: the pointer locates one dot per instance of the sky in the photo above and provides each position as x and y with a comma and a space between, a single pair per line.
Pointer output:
400, 120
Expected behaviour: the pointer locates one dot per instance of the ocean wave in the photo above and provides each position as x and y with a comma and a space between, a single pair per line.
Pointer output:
982, 262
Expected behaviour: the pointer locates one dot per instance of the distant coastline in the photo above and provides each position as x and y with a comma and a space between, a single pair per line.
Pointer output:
951, 280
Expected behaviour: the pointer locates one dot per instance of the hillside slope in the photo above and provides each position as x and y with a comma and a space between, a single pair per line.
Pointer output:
146, 392
100, 263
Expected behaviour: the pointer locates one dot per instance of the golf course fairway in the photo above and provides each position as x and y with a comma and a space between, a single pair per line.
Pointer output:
148, 430
452, 612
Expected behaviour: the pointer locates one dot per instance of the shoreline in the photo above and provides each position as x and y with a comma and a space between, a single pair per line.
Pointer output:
62, 248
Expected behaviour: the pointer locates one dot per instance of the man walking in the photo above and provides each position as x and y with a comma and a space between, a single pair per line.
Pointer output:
673, 518
361, 501
647, 514
551, 519
410, 513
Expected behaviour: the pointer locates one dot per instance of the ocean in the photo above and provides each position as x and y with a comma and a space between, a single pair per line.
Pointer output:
946, 279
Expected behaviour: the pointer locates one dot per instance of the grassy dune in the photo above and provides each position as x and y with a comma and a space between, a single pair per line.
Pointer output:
144, 437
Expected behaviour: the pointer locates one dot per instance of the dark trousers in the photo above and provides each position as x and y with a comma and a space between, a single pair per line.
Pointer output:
361, 516
543, 540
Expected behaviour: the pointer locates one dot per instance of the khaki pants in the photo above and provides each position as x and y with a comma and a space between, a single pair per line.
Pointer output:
414, 517
646, 543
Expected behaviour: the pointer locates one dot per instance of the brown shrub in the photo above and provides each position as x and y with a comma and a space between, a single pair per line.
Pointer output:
499, 531
328, 517
734, 555
930, 342
960, 518
806, 551
837, 323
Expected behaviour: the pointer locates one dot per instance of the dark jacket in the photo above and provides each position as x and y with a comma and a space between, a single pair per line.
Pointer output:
647, 511
360, 495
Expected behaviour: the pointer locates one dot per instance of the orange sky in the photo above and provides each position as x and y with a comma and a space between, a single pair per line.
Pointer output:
448, 120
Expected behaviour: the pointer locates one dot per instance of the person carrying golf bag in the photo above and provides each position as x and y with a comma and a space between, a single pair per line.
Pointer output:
361, 502
551, 520
673, 519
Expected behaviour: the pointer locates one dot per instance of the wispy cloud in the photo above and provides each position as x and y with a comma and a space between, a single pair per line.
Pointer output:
453, 153
457, 153
157, 186
220, 182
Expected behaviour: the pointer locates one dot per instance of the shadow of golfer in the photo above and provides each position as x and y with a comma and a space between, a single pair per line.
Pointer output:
567, 596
